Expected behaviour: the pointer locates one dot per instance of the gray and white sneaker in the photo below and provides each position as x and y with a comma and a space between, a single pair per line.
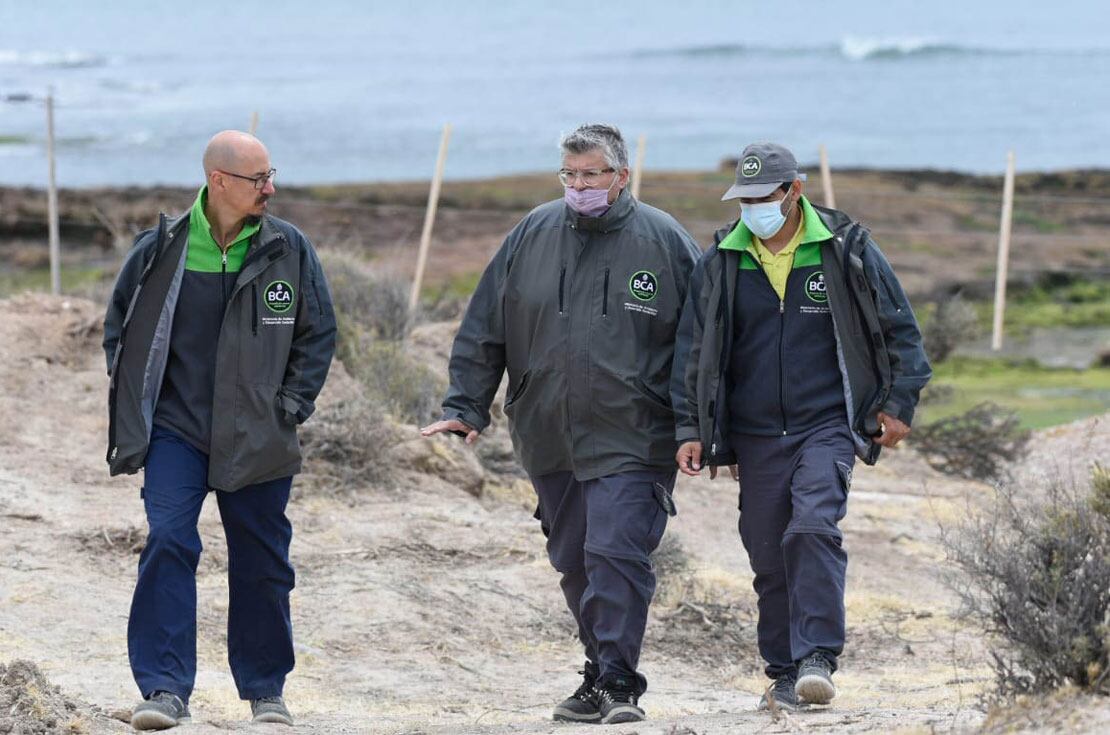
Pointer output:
582, 706
270, 709
160, 711
618, 702
815, 680
782, 691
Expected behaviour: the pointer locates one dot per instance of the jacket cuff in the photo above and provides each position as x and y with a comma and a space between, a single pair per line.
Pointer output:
900, 411
468, 417
686, 434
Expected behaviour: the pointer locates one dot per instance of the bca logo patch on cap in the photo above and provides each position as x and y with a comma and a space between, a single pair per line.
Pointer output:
815, 288
751, 166
643, 285
278, 297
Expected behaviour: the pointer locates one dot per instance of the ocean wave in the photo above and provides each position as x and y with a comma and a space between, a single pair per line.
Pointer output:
852, 48
863, 49
132, 86
52, 59
717, 49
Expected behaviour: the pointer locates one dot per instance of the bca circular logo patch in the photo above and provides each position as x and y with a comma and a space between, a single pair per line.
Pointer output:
751, 166
278, 297
643, 285
815, 288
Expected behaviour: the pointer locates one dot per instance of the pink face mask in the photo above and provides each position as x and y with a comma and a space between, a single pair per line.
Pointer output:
588, 202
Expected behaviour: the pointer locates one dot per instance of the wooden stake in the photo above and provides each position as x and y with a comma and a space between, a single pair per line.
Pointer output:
1003, 253
254, 123
638, 168
52, 201
826, 178
429, 219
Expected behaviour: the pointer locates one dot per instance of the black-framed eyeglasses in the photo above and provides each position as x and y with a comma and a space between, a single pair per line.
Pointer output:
590, 177
258, 181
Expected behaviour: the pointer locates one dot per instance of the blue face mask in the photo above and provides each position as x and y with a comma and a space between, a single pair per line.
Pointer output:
764, 219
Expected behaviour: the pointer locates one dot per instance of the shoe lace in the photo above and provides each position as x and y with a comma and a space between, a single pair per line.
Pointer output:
785, 685
615, 696
585, 691
268, 700
817, 660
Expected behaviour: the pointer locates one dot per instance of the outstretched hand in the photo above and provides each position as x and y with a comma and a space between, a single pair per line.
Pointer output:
455, 427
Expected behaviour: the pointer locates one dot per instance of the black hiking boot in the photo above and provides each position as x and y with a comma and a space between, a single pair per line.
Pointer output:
815, 680
782, 692
582, 705
270, 709
617, 701
160, 711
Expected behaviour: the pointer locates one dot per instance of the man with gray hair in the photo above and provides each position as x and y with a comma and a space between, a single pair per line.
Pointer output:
580, 307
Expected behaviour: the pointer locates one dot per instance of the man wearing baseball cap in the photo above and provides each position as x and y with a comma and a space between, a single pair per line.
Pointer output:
800, 353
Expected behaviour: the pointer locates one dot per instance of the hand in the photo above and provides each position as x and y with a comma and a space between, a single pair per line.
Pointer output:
689, 459
731, 470
452, 425
893, 430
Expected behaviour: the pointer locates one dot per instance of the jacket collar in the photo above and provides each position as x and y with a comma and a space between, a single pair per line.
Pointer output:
614, 218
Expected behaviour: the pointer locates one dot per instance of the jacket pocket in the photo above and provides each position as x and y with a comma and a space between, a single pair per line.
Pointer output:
265, 440
523, 386
605, 295
562, 285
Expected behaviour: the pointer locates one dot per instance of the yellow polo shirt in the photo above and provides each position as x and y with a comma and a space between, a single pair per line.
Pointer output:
778, 265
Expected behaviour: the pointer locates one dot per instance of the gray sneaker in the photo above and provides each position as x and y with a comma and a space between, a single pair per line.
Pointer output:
582, 706
270, 709
161, 711
815, 680
782, 692
618, 702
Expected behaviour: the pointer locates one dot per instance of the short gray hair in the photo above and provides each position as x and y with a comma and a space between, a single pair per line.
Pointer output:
594, 137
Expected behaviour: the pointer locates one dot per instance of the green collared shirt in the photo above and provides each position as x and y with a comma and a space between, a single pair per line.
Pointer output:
778, 265
205, 255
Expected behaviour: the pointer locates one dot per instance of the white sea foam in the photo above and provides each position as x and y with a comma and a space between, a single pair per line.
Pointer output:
55, 59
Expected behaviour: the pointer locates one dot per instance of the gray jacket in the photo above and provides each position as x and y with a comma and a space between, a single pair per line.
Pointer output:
582, 313
878, 344
270, 364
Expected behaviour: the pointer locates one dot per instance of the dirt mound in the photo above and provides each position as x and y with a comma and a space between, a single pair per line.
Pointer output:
31, 705
41, 328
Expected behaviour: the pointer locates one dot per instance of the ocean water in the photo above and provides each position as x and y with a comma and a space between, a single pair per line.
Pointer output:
356, 91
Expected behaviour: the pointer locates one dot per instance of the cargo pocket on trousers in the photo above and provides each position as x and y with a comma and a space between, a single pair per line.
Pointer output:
844, 472
665, 498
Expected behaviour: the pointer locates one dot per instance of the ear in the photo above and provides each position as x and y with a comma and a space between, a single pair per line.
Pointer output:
622, 178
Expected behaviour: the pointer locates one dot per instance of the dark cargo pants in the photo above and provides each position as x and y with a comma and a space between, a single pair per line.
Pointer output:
793, 493
600, 535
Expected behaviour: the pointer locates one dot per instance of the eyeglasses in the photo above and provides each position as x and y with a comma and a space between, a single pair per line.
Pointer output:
590, 177
258, 181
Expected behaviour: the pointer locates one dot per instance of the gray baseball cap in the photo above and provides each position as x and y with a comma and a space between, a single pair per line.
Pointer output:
763, 168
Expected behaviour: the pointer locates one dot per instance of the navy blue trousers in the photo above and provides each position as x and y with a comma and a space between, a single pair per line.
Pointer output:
793, 494
600, 535
162, 628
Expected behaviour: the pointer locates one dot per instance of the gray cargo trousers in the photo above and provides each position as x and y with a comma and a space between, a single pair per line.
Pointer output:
600, 536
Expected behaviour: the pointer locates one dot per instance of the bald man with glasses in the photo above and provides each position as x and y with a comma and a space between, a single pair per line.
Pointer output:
218, 338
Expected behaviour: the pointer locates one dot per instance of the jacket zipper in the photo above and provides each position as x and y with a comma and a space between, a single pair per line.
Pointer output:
223, 278
782, 364
605, 295
562, 283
